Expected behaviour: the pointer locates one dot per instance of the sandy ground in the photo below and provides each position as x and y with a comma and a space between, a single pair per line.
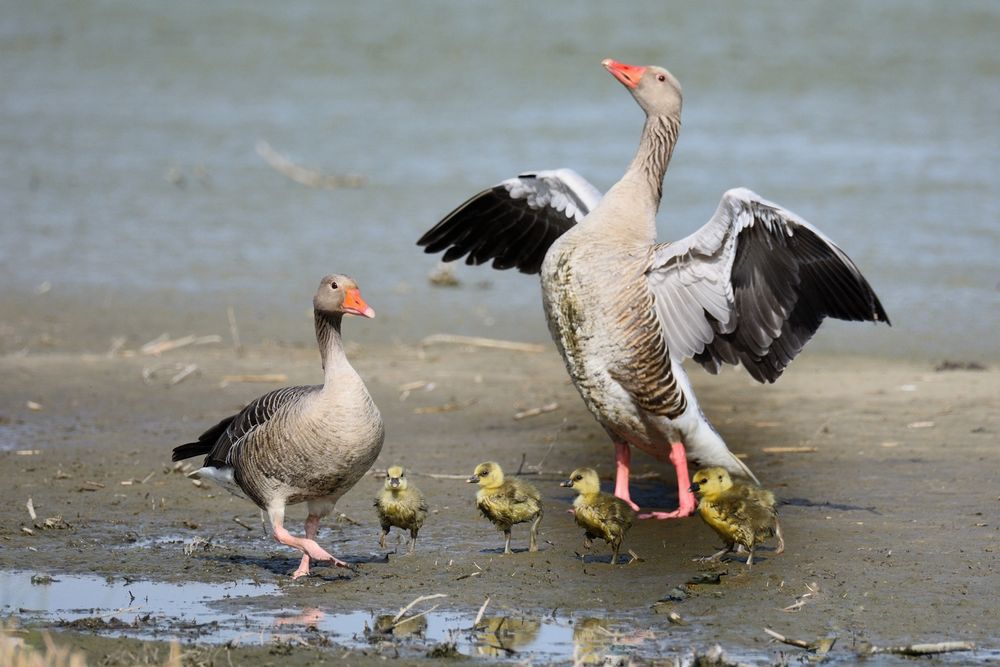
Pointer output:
891, 522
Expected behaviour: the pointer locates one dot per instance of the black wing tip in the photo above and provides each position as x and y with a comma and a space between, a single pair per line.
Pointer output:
189, 450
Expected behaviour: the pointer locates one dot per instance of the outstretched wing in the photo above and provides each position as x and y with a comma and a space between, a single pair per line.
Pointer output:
514, 222
220, 441
752, 286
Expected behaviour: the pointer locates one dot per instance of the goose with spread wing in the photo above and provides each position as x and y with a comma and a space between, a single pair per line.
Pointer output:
750, 287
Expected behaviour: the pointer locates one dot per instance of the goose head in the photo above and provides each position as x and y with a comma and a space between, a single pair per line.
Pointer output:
339, 295
655, 89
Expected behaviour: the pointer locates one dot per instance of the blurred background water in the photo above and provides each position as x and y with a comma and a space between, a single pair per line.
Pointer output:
132, 200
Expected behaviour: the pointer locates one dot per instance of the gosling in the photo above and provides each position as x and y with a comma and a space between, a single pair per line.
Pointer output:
599, 514
740, 513
400, 505
507, 502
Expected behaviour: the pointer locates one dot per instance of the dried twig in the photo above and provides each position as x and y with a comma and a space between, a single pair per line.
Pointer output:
820, 646
253, 377
534, 412
438, 475
811, 591
418, 600
482, 610
921, 649
117, 343
31, 509
308, 177
237, 520
447, 407
788, 450
184, 373
475, 341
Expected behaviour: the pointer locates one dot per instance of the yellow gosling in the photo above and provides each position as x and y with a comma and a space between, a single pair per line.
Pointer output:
507, 502
400, 504
741, 513
599, 514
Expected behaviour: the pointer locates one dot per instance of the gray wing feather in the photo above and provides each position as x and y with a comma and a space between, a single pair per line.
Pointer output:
255, 415
752, 286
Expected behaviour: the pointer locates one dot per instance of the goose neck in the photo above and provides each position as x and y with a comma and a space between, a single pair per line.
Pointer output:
656, 146
331, 346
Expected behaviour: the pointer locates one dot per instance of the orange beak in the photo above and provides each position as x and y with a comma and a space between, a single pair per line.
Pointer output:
355, 305
629, 75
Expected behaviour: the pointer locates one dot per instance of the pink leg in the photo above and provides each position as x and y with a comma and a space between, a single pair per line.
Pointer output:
687, 499
623, 459
312, 527
306, 545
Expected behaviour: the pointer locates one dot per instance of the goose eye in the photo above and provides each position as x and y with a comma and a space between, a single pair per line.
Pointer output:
333, 285
660, 77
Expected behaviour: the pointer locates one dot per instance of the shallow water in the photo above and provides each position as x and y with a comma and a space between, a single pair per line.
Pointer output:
131, 190
235, 614
225, 613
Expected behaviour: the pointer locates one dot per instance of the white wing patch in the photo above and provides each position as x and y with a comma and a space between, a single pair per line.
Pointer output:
561, 189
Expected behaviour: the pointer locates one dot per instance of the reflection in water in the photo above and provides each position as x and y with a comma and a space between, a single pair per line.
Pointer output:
405, 628
500, 636
309, 617
594, 641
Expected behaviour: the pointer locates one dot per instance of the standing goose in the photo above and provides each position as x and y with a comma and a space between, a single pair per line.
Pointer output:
301, 444
751, 287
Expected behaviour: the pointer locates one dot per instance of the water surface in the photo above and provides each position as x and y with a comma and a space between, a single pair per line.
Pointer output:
131, 192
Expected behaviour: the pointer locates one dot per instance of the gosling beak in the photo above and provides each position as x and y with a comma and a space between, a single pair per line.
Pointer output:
566, 482
694, 488
473, 480
394, 482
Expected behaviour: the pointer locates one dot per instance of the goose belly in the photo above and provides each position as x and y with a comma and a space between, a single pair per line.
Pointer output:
581, 311
324, 457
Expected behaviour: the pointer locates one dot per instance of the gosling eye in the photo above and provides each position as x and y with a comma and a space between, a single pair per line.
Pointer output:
578, 478
720, 478
482, 473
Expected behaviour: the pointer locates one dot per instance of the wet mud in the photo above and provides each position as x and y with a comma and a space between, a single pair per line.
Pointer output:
887, 471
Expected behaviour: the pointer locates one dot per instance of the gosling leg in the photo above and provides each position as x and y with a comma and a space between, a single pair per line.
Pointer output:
781, 538
381, 540
413, 540
714, 557
506, 545
533, 538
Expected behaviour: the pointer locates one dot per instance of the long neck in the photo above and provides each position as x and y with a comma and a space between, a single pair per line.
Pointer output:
627, 213
331, 347
659, 136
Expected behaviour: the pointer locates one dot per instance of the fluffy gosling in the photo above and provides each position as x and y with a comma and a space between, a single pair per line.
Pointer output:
400, 505
741, 513
507, 502
599, 514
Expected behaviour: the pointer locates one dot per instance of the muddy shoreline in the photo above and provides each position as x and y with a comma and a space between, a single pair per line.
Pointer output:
890, 521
